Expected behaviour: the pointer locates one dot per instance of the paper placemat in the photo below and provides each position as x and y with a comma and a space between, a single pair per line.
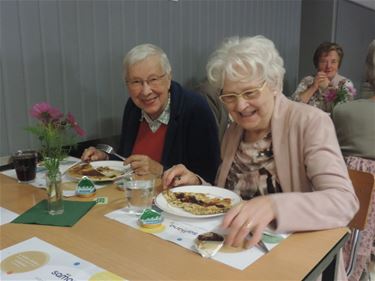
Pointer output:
7, 215
73, 211
183, 231
37, 260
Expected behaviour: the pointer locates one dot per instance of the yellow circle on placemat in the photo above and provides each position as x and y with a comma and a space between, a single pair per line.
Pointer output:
153, 230
24, 262
105, 275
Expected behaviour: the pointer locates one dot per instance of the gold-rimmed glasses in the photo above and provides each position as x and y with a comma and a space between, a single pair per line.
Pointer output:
231, 97
152, 81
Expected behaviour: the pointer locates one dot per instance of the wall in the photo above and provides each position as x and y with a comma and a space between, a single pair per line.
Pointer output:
314, 30
355, 30
69, 52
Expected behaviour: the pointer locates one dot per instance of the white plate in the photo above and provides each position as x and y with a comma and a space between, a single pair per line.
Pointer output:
213, 191
115, 165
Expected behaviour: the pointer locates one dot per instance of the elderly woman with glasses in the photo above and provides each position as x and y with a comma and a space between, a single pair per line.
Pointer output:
280, 156
163, 124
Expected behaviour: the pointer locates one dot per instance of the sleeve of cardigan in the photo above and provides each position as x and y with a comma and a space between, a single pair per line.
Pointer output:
332, 201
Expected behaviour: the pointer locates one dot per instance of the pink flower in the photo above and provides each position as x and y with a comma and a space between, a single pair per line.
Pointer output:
330, 95
45, 112
54, 133
72, 121
352, 90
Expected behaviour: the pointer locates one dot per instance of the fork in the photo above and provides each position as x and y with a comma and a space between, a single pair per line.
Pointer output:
261, 245
109, 149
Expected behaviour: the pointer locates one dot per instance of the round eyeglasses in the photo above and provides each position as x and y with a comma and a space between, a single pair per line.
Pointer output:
152, 81
231, 97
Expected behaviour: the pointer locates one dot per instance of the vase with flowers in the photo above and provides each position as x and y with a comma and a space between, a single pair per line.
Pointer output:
344, 92
56, 134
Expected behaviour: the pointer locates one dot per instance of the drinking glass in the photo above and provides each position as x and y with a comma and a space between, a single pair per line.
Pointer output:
139, 193
25, 165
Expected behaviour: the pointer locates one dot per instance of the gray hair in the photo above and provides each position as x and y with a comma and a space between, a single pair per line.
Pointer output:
370, 64
243, 58
141, 52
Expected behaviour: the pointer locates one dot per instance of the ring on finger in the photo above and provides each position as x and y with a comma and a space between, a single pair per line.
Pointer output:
249, 225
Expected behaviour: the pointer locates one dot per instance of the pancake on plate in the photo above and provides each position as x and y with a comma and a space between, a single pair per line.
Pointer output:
99, 173
198, 203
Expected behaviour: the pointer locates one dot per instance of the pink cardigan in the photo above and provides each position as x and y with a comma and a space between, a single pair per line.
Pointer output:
308, 158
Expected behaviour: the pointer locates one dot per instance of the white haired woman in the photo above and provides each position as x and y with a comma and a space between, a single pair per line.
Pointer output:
281, 156
163, 124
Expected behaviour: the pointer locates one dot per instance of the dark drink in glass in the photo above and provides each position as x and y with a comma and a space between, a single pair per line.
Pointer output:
25, 165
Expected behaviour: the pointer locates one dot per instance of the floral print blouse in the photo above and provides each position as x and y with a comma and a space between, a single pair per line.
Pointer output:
253, 171
322, 99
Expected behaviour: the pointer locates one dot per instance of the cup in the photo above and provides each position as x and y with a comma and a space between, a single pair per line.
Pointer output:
139, 193
24, 162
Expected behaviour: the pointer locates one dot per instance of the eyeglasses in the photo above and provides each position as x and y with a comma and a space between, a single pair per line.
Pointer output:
153, 81
230, 97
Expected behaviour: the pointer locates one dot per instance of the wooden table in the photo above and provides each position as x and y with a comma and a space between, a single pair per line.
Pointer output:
135, 255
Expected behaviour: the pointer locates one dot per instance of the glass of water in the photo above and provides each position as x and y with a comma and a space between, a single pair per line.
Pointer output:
139, 193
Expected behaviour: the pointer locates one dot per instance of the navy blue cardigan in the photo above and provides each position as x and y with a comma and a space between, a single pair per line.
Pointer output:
191, 138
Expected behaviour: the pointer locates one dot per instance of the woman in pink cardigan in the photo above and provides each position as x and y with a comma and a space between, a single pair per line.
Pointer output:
281, 156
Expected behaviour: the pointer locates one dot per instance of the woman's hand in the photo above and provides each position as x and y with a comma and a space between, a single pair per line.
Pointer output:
249, 216
144, 165
93, 154
179, 175
321, 81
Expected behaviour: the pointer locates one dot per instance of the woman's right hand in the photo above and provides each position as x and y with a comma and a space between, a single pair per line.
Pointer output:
321, 81
179, 175
93, 154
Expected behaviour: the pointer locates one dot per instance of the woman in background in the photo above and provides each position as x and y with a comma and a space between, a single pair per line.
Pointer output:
354, 122
280, 156
313, 89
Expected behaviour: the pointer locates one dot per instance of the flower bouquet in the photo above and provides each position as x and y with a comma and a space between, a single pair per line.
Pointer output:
56, 134
343, 93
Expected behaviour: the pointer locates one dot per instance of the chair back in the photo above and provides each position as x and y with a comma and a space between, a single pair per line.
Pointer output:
363, 184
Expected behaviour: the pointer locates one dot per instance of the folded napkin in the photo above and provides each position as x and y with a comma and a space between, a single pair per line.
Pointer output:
73, 211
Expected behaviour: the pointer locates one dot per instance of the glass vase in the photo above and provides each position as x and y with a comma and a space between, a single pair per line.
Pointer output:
55, 195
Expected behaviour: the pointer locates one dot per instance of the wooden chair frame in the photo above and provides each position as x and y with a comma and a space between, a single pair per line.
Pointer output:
364, 184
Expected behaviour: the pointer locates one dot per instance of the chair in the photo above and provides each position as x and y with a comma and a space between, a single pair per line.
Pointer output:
363, 184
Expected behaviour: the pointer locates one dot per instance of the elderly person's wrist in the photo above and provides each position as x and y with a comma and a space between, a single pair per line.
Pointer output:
160, 171
198, 180
314, 87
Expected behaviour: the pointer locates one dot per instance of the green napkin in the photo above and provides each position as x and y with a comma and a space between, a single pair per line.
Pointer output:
73, 211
